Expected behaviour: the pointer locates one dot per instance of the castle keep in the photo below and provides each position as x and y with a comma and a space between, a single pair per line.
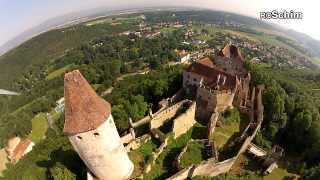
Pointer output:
92, 132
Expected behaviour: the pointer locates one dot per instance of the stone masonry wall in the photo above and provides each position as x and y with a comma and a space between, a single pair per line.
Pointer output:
185, 121
160, 118
212, 101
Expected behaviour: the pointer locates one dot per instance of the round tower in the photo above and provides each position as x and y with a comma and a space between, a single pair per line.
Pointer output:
92, 132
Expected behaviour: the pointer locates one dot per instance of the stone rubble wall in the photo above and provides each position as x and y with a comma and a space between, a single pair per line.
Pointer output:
184, 121
142, 121
127, 138
205, 168
181, 124
135, 144
160, 118
213, 101
161, 115
212, 124
156, 154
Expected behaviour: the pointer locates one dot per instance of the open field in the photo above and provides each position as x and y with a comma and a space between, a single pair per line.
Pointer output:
99, 21
59, 72
110, 20
39, 127
140, 157
224, 132
279, 173
193, 155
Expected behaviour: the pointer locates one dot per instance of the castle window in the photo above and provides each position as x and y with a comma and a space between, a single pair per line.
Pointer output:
96, 134
194, 79
79, 137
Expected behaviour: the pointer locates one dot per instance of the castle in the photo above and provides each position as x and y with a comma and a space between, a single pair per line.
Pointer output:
213, 84
218, 83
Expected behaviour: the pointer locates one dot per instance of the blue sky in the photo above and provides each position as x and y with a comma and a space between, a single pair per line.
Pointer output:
17, 16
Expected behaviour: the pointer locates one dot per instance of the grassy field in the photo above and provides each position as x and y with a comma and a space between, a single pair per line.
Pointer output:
279, 173
39, 127
99, 21
223, 133
110, 20
243, 35
164, 167
211, 32
193, 154
167, 30
140, 157
59, 72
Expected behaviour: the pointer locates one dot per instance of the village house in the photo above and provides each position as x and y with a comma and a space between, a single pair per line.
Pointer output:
184, 56
17, 148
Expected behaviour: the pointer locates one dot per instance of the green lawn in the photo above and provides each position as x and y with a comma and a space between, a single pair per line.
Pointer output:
211, 32
140, 157
39, 127
99, 21
164, 166
193, 154
110, 20
278, 174
55, 115
167, 30
223, 133
59, 72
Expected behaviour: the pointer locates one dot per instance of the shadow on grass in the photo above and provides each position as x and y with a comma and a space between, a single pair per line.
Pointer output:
231, 147
243, 122
69, 159
199, 132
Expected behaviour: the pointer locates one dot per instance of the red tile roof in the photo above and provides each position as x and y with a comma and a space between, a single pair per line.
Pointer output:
210, 73
20, 149
84, 109
207, 62
231, 51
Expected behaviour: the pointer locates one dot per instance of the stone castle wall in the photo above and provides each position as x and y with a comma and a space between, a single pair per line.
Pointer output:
210, 101
184, 121
160, 118
156, 154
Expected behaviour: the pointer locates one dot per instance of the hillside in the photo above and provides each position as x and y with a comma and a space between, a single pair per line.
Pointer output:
135, 68
48, 47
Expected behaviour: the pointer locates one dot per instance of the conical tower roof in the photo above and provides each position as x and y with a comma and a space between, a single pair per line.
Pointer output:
84, 109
